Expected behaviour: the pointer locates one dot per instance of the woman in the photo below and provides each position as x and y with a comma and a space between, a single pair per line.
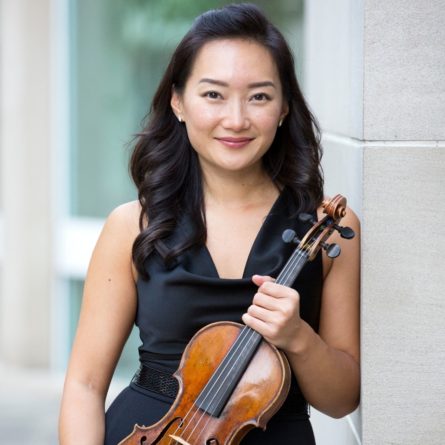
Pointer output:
229, 157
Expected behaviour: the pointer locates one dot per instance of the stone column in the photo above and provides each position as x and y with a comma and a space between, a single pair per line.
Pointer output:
375, 77
25, 182
403, 213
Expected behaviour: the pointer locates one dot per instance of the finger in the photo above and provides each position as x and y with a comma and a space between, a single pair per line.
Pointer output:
269, 331
277, 290
255, 323
260, 279
266, 301
260, 313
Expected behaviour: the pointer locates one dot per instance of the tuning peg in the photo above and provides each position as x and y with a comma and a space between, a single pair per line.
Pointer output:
345, 232
332, 250
289, 236
306, 217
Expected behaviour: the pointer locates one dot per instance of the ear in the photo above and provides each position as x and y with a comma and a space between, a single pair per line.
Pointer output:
283, 114
176, 103
285, 110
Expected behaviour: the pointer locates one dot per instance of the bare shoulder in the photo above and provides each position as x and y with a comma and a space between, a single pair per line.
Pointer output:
126, 217
116, 240
122, 224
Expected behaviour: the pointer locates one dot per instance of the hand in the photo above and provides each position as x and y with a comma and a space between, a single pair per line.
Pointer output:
274, 313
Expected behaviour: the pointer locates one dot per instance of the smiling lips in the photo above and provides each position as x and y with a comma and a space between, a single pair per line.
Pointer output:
234, 142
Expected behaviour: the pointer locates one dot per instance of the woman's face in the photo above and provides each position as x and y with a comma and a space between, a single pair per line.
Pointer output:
231, 105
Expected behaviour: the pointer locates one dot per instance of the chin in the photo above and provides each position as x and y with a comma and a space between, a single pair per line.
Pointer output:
239, 168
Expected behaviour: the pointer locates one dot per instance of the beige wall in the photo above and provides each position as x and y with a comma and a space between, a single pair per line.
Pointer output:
404, 208
25, 182
376, 79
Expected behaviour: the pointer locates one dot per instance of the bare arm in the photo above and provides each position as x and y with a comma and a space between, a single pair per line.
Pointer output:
326, 364
106, 319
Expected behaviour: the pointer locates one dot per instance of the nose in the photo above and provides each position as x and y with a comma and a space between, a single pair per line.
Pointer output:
235, 117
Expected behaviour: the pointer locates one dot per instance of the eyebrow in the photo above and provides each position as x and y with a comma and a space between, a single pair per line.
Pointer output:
266, 83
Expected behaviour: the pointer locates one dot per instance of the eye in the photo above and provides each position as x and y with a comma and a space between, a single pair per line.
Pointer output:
260, 97
212, 95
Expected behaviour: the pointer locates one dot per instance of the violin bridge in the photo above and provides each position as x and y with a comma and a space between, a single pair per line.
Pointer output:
178, 439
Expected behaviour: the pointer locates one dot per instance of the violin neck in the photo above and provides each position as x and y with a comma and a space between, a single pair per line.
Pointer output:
292, 268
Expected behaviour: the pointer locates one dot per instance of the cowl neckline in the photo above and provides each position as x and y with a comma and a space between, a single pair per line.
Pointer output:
265, 255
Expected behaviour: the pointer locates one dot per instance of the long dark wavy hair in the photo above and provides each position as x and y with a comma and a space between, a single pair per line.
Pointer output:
165, 167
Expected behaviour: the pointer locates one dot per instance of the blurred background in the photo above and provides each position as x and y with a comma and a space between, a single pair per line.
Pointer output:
76, 80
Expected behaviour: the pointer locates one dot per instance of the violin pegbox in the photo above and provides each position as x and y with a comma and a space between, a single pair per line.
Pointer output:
335, 210
315, 238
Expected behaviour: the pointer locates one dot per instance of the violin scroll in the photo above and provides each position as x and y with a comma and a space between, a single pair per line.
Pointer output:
315, 238
335, 207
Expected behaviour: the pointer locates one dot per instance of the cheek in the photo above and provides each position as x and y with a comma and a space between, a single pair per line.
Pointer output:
199, 123
267, 122
199, 117
199, 127
266, 117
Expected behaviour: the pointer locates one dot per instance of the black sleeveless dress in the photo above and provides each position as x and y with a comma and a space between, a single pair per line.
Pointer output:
176, 301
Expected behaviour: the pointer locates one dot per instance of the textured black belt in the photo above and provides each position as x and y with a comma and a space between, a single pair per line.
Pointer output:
157, 381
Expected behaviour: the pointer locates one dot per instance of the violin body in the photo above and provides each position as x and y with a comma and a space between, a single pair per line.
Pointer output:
259, 393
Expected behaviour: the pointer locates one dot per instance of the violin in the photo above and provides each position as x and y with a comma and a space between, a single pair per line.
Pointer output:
230, 379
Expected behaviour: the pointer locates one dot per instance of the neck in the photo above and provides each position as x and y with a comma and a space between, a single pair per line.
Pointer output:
237, 188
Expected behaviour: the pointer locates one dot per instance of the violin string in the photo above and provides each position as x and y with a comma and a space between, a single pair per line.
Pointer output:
250, 334
240, 342
292, 265
236, 344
